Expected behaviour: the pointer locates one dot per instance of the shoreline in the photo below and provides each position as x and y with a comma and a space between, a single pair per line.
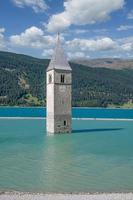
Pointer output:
78, 107
65, 196
60, 193
83, 119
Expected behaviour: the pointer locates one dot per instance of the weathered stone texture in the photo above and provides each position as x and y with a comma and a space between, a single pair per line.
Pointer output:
59, 93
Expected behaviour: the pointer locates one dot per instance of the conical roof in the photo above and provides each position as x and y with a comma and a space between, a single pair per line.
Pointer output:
59, 60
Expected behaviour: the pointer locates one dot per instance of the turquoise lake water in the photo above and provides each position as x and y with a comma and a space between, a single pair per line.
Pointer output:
76, 112
96, 157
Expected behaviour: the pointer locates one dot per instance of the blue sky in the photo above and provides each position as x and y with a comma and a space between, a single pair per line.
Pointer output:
89, 28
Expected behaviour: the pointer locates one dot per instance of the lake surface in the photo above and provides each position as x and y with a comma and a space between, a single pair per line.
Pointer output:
76, 112
96, 157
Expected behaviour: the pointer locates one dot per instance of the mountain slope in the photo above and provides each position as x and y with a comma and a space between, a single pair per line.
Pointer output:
111, 63
23, 82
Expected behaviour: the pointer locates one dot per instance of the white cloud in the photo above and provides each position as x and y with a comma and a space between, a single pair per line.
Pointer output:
47, 53
126, 43
130, 15
58, 22
80, 31
36, 5
2, 39
125, 39
113, 47
125, 27
78, 54
2, 30
103, 44
127, 46
81, 12
32, 37
34, 40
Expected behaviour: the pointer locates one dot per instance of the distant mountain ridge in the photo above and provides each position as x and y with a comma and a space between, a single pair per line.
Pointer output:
111, 63
23, 82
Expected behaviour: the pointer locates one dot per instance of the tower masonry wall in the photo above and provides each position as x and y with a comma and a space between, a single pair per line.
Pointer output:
59, 102
50, 102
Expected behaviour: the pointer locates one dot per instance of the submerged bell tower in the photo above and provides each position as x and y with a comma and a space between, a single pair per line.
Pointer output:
59, 91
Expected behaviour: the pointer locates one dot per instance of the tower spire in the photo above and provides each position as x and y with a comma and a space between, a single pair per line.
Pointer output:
58, 36
59, 60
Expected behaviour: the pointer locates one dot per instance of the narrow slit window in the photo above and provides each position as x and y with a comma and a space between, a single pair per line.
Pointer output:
62, 78
65, 123
50, 78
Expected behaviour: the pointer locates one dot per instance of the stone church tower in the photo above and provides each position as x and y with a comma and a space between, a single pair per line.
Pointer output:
59, 89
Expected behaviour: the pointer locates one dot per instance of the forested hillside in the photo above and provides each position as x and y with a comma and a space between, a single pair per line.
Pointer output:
23, 81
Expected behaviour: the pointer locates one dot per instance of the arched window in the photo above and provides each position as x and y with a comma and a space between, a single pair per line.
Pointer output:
62, 78
50, 78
